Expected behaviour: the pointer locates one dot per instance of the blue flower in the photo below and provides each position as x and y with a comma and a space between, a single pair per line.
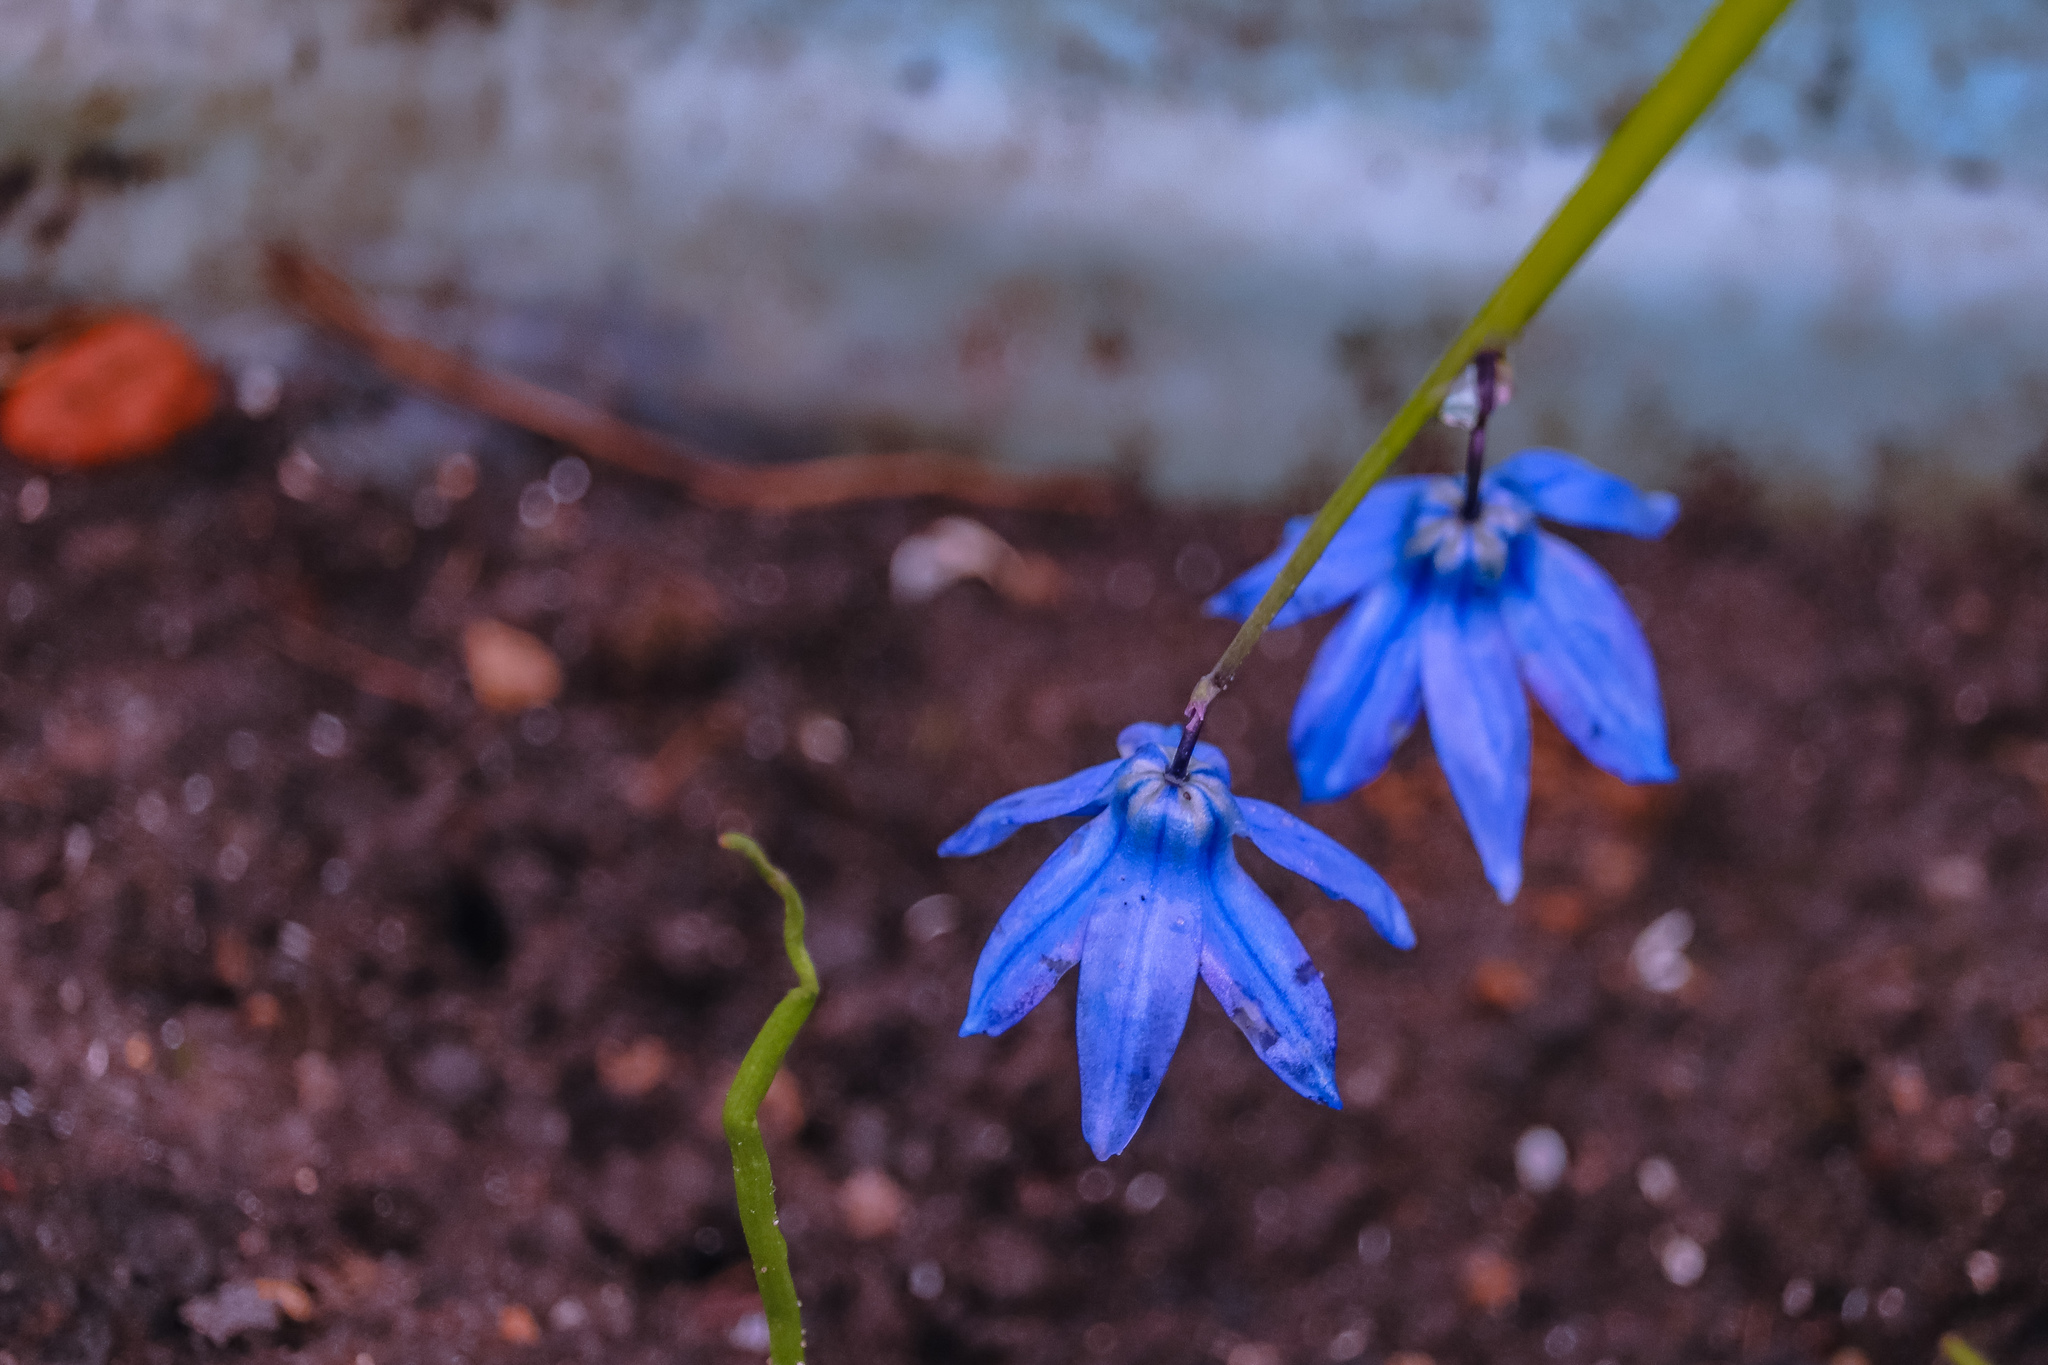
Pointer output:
1456, 616
1146, 897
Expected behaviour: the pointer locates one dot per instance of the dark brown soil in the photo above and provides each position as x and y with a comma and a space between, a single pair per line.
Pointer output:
435, 1027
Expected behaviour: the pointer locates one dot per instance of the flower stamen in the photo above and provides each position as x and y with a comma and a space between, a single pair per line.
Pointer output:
1486, 365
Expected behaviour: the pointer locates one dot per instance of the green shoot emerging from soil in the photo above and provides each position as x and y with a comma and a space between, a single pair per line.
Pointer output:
1638, 147
1956, 1351
750, 1173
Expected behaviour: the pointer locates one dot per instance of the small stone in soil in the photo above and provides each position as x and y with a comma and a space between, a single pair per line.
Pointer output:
1540, 1160
633, 1069
516, 1325
872, 1205
230, 1311
1490, 1281
1502, 985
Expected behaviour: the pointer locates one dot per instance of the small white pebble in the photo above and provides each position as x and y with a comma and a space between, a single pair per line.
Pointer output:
1348, 1344
536, 507
1145, 1192
944, 553
33, 500
1095, 1184
932, 917
327, 735
295, 941
1955, 877
152, 812
96, 1059
568, 479
1982, 1267
1684, 1261
1797, 1298
77, 848
1855, 1304
1658, 955
1540, 1160
927, 1280
232, 864
1375, 1243
1657, 1179
823, 739
258, 389
299, 477
750, 1333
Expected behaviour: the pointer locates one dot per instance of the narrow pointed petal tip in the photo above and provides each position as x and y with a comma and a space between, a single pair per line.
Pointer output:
1138, 967
1479, 723
1081, 794
1586, 661
1362, 696
1302, 848
1260, 974
1039, 938
1365, 549
1565, 488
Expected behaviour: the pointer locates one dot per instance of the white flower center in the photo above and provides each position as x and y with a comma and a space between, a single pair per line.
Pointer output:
1442, 533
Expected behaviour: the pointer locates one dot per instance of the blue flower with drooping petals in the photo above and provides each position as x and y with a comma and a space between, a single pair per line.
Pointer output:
1455, 616
1146, 897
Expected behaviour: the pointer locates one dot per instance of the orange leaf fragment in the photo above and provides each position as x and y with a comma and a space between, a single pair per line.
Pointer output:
120, 389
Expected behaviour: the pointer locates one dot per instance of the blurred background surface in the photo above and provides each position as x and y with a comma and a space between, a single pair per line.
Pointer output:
1212, 241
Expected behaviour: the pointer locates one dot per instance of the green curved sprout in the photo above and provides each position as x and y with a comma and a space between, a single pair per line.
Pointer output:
1956, 1351
751, 1176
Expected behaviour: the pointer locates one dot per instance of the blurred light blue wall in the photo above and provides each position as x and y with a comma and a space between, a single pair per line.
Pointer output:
1212, 240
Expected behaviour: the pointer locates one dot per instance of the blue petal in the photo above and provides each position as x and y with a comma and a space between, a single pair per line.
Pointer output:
1300, 847
1085, 793
1366, 548
1167, 737
1261, 975
1139, 958
1565, 488
1362, 694
1039, 937
1479, 721
1585, 659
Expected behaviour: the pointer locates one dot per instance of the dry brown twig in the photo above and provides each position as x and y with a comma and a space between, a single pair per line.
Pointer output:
654, 782
330, 301
309, 646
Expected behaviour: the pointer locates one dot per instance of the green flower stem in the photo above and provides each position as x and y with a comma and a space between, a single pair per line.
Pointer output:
750, 1173
1642, 142
1956, 1351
